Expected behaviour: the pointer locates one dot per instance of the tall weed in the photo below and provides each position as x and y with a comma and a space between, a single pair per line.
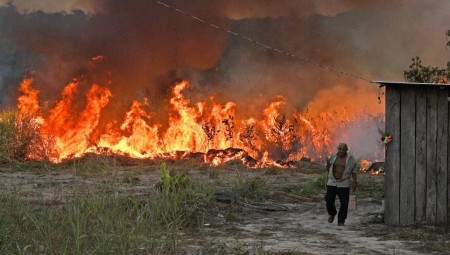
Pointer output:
312, 189
7, 119
20, 137
251, 187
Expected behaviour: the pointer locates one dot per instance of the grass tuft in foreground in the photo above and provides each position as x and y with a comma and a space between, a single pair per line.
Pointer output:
255, 188
105, 222
315, 189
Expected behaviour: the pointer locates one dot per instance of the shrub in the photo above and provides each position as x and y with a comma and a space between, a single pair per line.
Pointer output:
7, 119
19, 135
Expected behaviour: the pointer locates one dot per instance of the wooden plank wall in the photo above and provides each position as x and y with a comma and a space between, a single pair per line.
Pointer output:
417, 159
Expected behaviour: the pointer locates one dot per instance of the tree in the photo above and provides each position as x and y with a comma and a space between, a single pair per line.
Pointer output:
428, 74
448, 35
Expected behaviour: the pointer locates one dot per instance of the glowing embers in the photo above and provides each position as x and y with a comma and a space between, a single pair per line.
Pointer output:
374, 168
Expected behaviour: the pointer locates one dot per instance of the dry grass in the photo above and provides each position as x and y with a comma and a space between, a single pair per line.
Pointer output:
102, 221
103, 206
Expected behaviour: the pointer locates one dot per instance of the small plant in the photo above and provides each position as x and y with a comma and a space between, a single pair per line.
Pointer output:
314, 189
178, 203
251, 188
170, 183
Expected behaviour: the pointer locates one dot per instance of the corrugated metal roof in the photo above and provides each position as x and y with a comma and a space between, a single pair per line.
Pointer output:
400, 83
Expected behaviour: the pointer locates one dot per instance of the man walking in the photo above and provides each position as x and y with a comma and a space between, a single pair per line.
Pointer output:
340, 167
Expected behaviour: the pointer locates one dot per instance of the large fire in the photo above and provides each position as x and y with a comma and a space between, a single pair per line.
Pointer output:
206, 129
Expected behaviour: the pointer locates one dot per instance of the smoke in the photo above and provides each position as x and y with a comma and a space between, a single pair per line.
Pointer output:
146, 47
235, 9
24, 6
361, 133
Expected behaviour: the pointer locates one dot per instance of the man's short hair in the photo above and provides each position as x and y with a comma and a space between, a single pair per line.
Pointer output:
343, 145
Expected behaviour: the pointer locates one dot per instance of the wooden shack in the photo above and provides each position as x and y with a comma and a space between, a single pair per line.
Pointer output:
418, 157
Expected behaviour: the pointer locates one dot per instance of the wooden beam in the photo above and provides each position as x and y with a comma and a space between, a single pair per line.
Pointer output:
431, 155
421, 154
442, 156
392, 177
448, 153
408, 152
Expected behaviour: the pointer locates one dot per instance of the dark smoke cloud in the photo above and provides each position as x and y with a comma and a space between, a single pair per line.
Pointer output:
145, 47
374, 39
148, 46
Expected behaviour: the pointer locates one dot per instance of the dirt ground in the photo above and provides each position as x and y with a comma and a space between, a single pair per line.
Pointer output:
288, 226
303, 229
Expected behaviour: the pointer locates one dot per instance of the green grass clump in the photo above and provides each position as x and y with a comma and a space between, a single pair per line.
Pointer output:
370, 186
7, 119
313, 189
179, 203
103, 221
255, 188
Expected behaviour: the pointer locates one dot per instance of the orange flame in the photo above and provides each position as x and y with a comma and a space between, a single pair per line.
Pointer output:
142, 141
208, 128
28, 102
184, 132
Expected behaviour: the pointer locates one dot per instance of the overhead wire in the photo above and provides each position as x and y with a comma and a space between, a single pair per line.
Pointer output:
328, 67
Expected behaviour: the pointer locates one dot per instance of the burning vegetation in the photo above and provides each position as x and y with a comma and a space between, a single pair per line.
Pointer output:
243, 102
374, 168
207, 130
